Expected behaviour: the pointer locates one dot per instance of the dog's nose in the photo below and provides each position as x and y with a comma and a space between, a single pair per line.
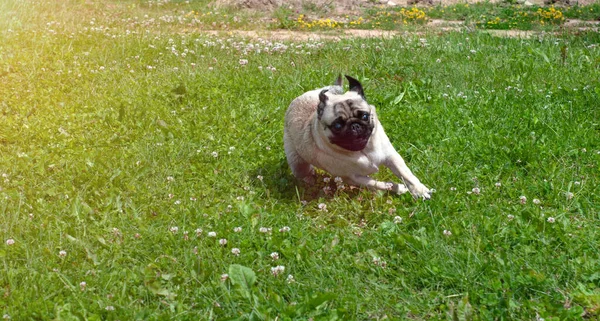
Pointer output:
356, 128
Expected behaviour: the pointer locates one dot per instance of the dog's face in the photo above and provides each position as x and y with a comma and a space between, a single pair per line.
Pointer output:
347, 120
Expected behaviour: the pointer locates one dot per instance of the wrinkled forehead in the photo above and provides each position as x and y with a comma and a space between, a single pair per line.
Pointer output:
350, 102
346, 106
349, 97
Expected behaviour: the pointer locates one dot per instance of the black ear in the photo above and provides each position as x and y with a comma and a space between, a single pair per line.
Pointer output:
322, 103
356, 86
339, 81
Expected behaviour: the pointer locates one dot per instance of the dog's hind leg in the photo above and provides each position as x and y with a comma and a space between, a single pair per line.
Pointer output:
301, 169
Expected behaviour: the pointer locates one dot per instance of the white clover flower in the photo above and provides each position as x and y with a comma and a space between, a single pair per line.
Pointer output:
322, 207
498, 184
476, 190
110, 308
510, 217
277, 270
198, 232
551, 220
10, 242
243, 62
453, 188
284, 229
235, 251
82, 285
174, 229
569, 195
523, 199
338, 180
397, 219
536, 201
290, 279
447, 232
326, 179
237, 229
224, 277
259, 177
265, 230
170, 178
215, 154
212, 234
275, 256
223, 242
62, 253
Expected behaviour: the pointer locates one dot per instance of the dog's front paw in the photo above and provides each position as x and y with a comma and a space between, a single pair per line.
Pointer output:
420, 191
400, 189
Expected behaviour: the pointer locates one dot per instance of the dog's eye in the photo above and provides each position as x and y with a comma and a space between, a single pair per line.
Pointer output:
365, 116
337, 125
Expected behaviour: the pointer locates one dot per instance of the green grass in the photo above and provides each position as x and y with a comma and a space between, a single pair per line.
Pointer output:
123, 136
482, 15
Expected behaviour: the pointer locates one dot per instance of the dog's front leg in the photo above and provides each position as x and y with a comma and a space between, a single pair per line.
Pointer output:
414, 185
375, 184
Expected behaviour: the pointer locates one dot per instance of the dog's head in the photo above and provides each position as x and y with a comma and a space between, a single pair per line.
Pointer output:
347, 120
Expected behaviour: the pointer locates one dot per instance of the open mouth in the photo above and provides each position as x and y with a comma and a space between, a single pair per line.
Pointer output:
354, 144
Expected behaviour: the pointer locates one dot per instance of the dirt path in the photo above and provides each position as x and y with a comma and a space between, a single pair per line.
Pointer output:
356, 33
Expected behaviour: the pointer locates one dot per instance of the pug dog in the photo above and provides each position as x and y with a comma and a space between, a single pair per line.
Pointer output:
339, 132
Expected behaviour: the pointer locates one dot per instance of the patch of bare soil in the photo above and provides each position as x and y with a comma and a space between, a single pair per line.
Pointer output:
289, 35
326, 6
343, 7
356, 6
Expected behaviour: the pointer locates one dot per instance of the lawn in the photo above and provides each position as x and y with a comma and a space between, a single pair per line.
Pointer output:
144, 177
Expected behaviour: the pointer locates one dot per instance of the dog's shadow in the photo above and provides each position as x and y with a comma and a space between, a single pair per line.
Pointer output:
275, 177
